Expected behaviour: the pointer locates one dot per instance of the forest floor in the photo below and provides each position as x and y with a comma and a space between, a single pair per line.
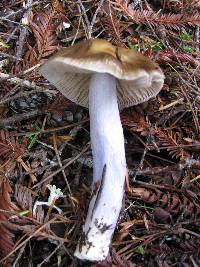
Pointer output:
44, 138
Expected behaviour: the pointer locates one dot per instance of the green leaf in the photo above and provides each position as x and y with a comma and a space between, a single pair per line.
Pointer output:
135, 47
157, 46
185, 36
23, 212
140, 250
187, 49
32, 140
4, 44
33, 137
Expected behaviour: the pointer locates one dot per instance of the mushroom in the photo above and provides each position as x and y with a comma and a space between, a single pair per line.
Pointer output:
106, 78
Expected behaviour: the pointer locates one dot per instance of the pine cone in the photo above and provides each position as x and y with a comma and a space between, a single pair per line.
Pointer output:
29, 103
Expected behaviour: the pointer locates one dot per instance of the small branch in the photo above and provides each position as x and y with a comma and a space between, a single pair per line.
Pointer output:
27, 239
88, 24
26, 94
22, 9
81, 6
24, 32
143, 156
187, 164
47, 259
11, 21
62, 168
10, 56
94, 17
60, 164
21, 82
21, 73
20, 117
52, 130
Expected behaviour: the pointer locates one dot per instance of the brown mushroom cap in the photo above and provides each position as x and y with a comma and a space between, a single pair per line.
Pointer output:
138, 78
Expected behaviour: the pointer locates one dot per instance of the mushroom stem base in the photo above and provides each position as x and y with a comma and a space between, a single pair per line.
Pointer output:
109, 169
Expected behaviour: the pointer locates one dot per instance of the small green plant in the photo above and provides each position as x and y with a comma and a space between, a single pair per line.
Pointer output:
23, 212
186, 37
4, 44
32, 138
134, 46
156, 46
187, 49
140, 250
138, 205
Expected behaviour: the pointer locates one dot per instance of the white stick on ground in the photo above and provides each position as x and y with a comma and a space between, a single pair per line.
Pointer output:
109, 168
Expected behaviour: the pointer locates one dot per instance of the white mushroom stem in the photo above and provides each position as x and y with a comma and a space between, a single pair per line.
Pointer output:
109, 169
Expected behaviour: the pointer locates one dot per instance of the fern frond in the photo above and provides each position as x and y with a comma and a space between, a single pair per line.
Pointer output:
9, 146
112, 25
6, 234
44, 26
171, 21
171, 141
170, 56
44, 32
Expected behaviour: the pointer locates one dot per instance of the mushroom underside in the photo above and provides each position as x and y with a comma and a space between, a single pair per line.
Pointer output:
74, 84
